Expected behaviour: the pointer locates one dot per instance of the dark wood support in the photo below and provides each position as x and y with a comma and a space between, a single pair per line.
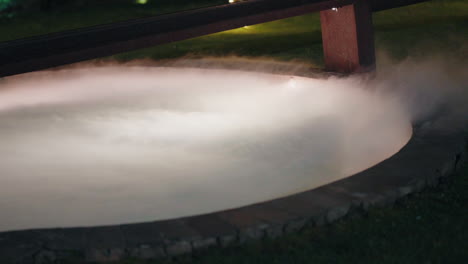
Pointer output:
347, 35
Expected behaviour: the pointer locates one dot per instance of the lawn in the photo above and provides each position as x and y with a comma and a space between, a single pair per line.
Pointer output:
427, 227
417, 30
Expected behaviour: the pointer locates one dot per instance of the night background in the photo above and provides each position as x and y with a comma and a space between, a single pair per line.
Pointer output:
423, 40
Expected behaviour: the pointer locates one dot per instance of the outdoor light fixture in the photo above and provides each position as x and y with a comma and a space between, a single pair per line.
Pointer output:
335, 9
231, 1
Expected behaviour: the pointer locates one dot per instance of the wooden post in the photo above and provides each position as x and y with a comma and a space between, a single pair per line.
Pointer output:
348, 39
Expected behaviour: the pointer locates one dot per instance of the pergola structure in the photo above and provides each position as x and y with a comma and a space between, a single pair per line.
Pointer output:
347, 33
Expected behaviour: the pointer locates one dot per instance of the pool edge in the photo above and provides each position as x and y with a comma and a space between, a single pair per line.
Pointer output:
428, 156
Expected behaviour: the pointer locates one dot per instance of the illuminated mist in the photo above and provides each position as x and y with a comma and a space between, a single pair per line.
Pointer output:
114, 145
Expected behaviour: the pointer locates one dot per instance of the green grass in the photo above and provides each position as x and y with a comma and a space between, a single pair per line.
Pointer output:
439, 25
417, 30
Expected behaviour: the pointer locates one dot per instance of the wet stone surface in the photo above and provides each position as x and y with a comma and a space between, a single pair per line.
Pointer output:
424, 161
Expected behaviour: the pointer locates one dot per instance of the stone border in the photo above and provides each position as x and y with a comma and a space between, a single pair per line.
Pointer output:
429, 156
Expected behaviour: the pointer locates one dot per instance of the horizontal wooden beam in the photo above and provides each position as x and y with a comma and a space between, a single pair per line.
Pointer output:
42, 52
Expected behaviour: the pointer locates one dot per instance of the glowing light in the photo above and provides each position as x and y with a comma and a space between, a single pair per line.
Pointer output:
335, 9
246, 26
141, 2
5, 3
292, 83
231, 1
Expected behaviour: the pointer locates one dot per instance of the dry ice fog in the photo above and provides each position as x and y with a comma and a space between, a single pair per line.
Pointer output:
120, 144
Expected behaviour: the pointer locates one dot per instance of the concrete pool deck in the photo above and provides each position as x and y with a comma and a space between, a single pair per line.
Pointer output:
430, 155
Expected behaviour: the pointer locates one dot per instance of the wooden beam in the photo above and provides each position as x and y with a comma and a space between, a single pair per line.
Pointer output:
347, 36
42, 52
83, 44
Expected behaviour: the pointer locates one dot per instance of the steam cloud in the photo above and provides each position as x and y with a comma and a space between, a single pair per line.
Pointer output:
117, 144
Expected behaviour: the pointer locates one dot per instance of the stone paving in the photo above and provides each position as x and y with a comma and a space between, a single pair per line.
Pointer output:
429, 156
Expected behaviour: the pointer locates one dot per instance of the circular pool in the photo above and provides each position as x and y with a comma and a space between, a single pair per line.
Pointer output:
111, 145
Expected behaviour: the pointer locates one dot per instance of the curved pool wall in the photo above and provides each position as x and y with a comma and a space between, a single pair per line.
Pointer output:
113, 145
429, 156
